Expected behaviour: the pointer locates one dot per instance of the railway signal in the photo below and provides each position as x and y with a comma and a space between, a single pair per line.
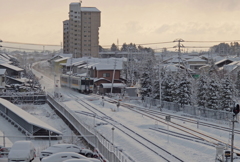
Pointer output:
236, 109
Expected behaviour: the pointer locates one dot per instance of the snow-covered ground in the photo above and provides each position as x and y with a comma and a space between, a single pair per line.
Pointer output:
44, 113
185, 150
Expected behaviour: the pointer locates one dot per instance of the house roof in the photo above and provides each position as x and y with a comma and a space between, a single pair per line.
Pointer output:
61, 59
2, 71
27, 117
198, 59
97, 79
116, 85
15, 68
89, 9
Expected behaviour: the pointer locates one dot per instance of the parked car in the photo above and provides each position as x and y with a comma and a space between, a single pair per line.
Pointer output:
23, 151
82, 160
62, 156
86, 152
59, 148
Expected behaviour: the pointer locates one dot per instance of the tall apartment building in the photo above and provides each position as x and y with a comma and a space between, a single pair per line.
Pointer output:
81, 31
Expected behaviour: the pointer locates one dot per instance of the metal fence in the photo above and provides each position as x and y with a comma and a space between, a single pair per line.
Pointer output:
191, 110
94, 138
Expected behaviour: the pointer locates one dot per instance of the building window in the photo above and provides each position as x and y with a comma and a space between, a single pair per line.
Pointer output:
106, 74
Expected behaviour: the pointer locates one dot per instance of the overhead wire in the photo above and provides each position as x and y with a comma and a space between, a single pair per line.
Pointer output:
154, 43
22, 48
30, 43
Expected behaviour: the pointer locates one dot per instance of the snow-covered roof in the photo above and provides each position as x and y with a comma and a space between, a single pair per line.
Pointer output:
60, 55
75, 3
61, 59
26, 116
11, 67
198, 59
97, 79
98, 63
116, 85
2, 71
5, 55
110, 66
89, 9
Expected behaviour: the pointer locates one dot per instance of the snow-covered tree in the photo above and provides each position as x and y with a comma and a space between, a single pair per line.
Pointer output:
227, 94
168, 88
202, 91
156, 90
146, 84
238, 84
147, 78
175, 87
213, 94
184, 91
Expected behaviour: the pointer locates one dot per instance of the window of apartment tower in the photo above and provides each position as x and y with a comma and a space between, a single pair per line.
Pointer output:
89, 13
106, 74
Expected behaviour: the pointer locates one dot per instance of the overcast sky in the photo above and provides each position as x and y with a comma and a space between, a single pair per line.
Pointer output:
138, 21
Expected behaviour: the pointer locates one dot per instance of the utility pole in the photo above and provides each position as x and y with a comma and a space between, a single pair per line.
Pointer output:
160, 88
235, 111
179, 45
115, 62
232, 139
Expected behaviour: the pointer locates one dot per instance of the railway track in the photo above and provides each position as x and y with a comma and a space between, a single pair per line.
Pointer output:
157, 116
161, 152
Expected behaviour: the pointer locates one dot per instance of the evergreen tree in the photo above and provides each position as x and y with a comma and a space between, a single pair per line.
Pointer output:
237, 85
124, 47
145, 82
114, 47
227, 94
213, 94
156, 89
147, 78
202, 91
184, 91
168, 86
175, 88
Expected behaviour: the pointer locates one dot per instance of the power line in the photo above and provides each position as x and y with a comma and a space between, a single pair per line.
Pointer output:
212, 41
21, 48
30, 43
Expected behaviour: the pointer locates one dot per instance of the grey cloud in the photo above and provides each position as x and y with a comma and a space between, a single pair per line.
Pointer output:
133, 27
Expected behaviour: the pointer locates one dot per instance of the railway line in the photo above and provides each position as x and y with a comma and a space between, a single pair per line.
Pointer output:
159, 116
161, 152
